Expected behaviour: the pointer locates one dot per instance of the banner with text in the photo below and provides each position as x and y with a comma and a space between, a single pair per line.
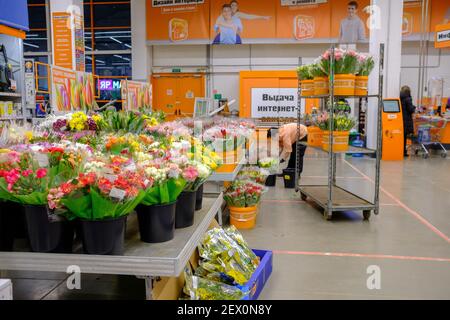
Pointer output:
274, 102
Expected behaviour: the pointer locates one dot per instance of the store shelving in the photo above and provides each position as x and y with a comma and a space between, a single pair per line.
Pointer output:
331, 197
139, 259
11, 95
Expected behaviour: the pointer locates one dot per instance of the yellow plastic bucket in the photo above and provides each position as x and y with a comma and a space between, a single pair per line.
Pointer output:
321, 86
361, 85
307, 87
243, 218
315, 136
344, 85
340, 141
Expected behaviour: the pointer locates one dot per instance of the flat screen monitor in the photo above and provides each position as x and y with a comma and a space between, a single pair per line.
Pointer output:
391, 106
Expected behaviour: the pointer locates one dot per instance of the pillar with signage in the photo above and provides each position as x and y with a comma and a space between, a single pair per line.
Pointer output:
385, 27
67, 28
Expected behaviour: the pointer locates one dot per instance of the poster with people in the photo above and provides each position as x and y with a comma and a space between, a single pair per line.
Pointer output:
232, 22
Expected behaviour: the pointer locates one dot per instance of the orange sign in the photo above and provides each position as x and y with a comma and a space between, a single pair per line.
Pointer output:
173, 22
438, 10
62, 40
442, 37
258, 18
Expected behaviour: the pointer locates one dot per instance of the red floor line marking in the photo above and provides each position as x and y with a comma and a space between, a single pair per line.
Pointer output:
360, 255
325, 177
404, 206
301, 201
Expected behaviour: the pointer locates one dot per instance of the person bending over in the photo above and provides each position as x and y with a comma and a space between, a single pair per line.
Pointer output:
288, 137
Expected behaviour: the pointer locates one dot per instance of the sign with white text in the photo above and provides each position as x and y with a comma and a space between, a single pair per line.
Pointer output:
274, 102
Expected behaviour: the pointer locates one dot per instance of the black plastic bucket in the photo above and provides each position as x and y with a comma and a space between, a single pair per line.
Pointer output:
7, 221
199, 199
156, 223
103, 237
289, 178
184, 216
271, 181
48, 233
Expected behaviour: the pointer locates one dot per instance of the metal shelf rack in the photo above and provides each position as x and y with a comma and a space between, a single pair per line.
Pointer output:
331, 197
139, 259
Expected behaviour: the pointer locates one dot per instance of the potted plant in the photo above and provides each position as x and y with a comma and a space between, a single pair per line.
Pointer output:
306, 80
184, 215
366, 64
242, 198
345, 68
28, 184
157, 210
101, 199
341, 125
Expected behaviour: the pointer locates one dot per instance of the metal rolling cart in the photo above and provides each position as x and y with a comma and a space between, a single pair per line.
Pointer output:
419, 143
331, 197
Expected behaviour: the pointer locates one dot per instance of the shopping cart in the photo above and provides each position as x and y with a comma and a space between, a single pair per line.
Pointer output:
427, 132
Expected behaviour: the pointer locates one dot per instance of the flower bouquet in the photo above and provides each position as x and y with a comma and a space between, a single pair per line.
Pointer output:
366, 64
342, 124
25, 182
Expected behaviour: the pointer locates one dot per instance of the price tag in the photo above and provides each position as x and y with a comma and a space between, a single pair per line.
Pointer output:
117, 193
42, 159
131, 167
110, 177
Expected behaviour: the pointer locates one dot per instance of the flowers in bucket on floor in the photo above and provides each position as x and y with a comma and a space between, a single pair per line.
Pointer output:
341, 122
253, 173
366, 64
243, 193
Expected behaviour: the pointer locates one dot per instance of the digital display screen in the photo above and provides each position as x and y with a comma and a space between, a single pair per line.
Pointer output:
108, 84
391, 106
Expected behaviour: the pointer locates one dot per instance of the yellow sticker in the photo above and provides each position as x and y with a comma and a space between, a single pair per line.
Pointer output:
287, 177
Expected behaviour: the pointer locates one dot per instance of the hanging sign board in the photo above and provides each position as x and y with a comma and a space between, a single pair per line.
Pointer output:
62, 40
442, 39
170, 3
274, 102
301, 2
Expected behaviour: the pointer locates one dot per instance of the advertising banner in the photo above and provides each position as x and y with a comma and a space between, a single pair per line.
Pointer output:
71, 90
79, 42
62, 40
274, 102
235, 22
136, 95
176, 21
438, 10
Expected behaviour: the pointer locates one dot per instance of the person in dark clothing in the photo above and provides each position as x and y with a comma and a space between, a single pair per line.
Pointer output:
408, 110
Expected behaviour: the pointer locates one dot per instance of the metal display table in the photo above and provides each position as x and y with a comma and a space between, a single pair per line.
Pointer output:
140, 259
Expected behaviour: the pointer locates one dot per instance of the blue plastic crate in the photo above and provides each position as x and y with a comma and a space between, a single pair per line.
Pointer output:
256, 283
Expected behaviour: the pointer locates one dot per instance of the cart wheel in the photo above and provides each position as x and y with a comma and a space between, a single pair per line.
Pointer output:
366, 215
444, 155
303, 196
327, 216
425, 156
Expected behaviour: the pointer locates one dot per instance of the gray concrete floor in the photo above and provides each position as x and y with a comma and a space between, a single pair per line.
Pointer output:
318, 259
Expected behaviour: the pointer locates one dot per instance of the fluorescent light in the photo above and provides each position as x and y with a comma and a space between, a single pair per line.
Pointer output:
89, 58
100, 61
117, 56
31, 45
127, 45
112, 38
32, 35
126, 59
88, 47
120, 64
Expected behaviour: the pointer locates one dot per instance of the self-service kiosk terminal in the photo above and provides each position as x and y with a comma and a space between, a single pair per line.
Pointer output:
392, 124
